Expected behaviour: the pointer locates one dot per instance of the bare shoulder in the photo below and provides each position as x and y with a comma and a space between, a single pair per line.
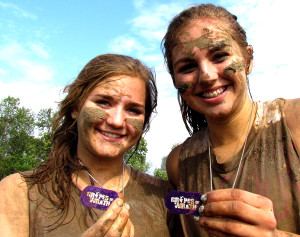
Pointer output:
14, 218
292, 115
292, 108
172, 165
13, 181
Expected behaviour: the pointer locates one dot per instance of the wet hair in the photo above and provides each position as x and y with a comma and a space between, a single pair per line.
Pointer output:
192, 119
62, 162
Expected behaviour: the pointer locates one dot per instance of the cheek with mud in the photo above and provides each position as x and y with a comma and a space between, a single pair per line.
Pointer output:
237, 65
91, 115
183, 87
137, 124
234, 68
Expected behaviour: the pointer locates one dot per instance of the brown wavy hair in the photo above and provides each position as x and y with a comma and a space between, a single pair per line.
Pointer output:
53, 177
192, 119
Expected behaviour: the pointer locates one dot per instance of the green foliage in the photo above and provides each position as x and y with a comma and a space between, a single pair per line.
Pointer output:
138, 159
161, 172
20, 150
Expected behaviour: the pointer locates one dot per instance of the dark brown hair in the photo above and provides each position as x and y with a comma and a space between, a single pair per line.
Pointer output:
54, 176
192, 119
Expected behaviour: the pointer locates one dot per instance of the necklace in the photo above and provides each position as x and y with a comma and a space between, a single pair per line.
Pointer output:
244, 146
91, 176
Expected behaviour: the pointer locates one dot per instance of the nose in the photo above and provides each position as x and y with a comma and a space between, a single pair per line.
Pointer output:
207, 73
116, 118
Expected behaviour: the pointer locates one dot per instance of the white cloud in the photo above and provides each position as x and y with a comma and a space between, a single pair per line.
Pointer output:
10, 51
2, 71
39, 50
34, 71
22, 63
138, 3
166, 129
152, 22
32, 95
126, 45
17, 11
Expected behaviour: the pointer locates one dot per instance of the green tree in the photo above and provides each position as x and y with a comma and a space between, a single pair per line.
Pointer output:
138, 159
20, 150
161, 172
43, 124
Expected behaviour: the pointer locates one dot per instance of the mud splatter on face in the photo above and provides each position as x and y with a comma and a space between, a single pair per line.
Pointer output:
117, 144
236, 66
184, 86
208, 40
89, 115
137, 124
110, 84
203, 42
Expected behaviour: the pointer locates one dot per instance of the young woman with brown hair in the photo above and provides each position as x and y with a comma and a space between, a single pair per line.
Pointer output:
105, 112
242, 155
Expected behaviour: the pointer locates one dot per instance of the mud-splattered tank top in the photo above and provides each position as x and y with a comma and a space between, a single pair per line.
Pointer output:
144, 193
270, 167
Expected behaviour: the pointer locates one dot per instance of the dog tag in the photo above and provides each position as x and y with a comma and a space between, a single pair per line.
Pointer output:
97, 197
183, 202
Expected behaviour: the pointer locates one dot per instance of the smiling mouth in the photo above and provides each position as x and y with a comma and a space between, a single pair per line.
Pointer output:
112, 135
213, 94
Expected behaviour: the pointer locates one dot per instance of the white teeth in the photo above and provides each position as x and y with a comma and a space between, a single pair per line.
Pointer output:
214, 94
110, 134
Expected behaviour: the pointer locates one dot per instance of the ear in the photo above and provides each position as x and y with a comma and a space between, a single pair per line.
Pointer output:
74, 114
250, 52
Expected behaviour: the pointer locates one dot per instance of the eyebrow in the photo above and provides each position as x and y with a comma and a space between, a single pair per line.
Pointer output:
134, 104
218, 46
182, 60
109, 97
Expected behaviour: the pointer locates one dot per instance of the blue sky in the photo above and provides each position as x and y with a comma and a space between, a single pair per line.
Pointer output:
44, 45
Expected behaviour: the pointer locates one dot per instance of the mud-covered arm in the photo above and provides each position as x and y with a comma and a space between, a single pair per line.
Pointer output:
292, 115
172, 165
14, 206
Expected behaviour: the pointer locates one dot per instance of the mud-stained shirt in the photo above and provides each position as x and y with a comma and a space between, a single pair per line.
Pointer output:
144, 193
270, 167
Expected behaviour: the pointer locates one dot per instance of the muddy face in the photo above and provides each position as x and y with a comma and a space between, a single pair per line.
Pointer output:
184, 86
111, 119
237, 65
206, 41
90, 115
109, 84
137, 124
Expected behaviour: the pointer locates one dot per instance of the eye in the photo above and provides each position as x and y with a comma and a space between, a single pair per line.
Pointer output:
102, 102
135, 111
220, 57
187, 68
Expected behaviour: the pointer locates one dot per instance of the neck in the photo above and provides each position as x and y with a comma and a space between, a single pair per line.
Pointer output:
230, 129
108, 173
228, 136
